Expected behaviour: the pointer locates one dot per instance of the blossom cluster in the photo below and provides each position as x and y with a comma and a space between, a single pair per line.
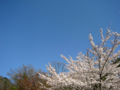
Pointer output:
87, 71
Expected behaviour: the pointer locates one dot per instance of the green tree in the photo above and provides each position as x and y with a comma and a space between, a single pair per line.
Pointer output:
5, 83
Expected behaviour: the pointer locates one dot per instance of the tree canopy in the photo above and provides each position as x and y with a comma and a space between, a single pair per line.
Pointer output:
98, 71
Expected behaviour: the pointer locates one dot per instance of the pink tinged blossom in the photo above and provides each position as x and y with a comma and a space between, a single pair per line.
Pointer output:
86, 71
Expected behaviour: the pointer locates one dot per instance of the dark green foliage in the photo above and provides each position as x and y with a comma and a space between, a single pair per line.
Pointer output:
117, 61
5, 83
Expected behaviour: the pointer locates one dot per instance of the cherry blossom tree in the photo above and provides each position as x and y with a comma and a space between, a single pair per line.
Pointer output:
94, 71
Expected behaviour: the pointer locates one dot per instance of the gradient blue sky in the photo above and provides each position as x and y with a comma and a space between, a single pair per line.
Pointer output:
36, 32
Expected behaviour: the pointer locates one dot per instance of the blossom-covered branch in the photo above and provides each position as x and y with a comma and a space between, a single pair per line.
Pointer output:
97, 71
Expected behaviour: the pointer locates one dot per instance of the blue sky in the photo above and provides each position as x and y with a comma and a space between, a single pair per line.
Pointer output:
36, 32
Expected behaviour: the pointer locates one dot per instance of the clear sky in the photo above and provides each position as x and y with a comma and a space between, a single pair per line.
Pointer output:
36, 32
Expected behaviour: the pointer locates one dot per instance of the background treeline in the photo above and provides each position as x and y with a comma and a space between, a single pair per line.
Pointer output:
27, 78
